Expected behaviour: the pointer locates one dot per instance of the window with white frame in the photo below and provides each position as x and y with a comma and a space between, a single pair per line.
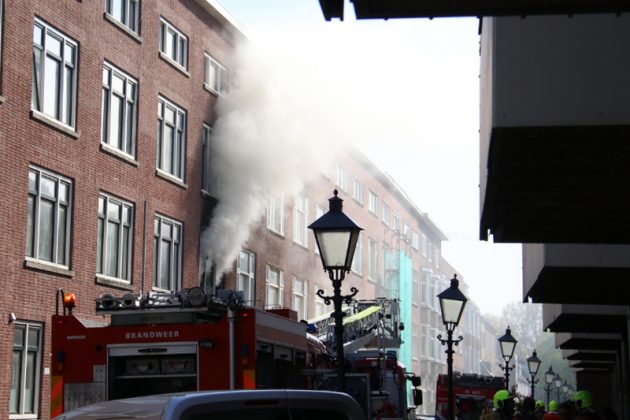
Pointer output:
300, 297
49, 216
415, 287
320, 305
171, 138
246, 275
275, 214
436, 257
357, 191
395, 221
385, 217
342, 178
167, 253
430, 251
425, 281
372, 259
424, 245
26, 370
124, 11
373, 203
275, 287
114, 246
173, 44
215, 75
54, 87
300, 219
319, 212
424, 338
415, 240
414, 343
205, 158
118, 114
357, 259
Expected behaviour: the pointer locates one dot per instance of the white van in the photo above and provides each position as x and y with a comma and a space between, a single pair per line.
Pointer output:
271, 404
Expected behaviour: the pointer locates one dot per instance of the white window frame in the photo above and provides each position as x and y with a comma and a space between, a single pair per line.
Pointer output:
246, 274
300, 220
173, 281
128, 16
205, 157
275, 214
372, 259
61, 199
357, 191
300, 297
320, 305
177, 53
274, 287
215, 75
424, 245
415, 240
27, 365
385, 217
415, 287
64, 88
373, 203
357, 259
123, 222
127, 94
396, 222
342, 178
319, 212
171, 162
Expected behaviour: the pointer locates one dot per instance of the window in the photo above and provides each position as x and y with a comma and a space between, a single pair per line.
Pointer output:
54, 73
26, 374
173, 44
300, 217
49, 216
215, 79
275, 287
319, 212
167, 254
424, 245
320, 306
119, 110
171, 138
124, 11
395, 221
342, 178
205, 158
373, 204
385, 213
246, 273
275, 214
372, 259
115, 238
357, 192
415, 240
436, 257
357, 259
300, 300
430, 252
424, 339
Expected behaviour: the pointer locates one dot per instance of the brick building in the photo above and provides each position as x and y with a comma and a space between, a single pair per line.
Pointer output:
91, 184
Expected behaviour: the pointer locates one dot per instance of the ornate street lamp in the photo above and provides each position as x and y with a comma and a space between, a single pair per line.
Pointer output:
452, 302
549, 375
336, 236
557, 381
508, 344
533, 364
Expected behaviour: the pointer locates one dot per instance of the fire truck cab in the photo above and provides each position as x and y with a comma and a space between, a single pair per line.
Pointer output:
472, 393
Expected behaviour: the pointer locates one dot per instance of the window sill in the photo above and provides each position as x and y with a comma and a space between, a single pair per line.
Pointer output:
275, 232
174, 64
113, 282
206, 194
209, 89
48, 267
122, 27
119, 154
165, 175
301, 245
66, 129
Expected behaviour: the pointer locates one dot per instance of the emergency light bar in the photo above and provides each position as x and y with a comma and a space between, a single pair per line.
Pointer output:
185, 298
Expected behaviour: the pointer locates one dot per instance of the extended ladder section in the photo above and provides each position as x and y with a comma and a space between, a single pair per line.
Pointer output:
367, 324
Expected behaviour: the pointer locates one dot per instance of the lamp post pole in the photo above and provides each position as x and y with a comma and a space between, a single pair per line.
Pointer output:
533, 364
452, 302
549, 376
336, 236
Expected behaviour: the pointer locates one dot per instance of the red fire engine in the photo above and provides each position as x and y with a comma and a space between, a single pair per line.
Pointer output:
471, 394
187, 340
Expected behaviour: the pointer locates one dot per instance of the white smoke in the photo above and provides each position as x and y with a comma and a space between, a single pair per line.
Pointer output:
280, 124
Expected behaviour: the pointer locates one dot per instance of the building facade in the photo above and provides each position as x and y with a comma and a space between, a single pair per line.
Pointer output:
102, 194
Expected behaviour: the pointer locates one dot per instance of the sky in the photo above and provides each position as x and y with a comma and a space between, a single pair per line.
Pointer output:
405, 91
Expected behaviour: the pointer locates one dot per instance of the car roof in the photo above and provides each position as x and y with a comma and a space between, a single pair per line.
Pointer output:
176, 406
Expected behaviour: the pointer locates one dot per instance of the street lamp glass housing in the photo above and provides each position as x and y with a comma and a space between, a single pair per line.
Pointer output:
336, 235
508, 344
565, 387
452, 302
533, 364
549, 375
557, 381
